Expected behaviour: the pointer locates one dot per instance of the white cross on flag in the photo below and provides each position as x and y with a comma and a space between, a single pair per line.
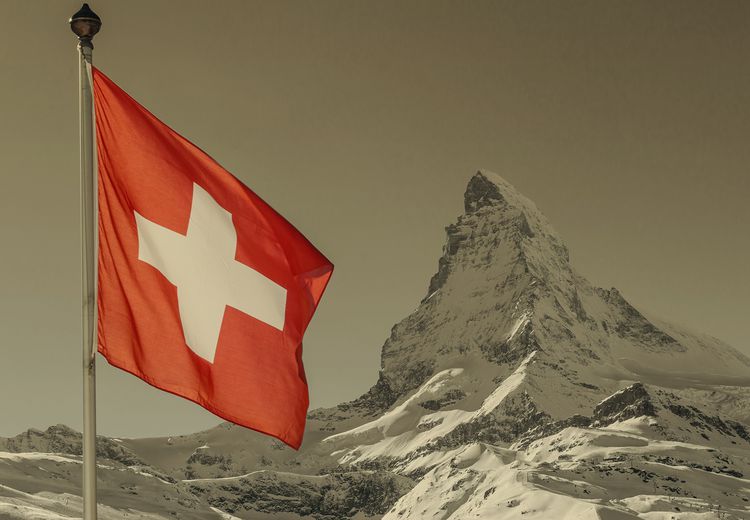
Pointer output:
204, 290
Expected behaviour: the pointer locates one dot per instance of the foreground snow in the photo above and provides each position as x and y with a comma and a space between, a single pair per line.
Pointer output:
16, 504
577, 474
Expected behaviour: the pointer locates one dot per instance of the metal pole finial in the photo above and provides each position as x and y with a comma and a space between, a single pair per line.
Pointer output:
85, 24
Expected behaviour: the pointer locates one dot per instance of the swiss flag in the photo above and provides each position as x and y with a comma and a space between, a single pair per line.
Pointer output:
203, 289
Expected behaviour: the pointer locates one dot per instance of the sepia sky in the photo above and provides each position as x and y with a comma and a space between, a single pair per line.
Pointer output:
627, 122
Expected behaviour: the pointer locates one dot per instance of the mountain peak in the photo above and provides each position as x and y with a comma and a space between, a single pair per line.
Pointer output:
488, 193
499, 225
484, 189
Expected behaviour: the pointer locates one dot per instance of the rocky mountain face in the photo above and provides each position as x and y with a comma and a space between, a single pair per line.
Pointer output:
516, 389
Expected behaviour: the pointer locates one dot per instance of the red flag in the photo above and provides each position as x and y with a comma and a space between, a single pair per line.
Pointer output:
204, 290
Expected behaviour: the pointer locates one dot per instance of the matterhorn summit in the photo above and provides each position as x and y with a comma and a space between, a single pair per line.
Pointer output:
515, 390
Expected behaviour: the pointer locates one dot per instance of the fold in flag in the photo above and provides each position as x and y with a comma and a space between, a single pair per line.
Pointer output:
204, 290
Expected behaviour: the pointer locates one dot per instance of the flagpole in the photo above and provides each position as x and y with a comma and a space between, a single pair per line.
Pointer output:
85, 24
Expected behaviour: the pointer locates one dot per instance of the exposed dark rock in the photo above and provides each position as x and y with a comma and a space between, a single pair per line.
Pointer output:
706, 422
511, 352
378, 398
577, 305
63, 439
340, 495
517, 415
448, 399
633, 401
551, 428
217, 464
456, 235
632, 324
523, 226
481, 192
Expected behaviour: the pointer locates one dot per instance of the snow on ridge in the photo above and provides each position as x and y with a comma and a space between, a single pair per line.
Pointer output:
20, 511
222, 479
66, 459
199, 448
574, 444
543, 482
33, 455
519, 325
256, 472
142, 471
475, 483
47, 505
617, 394
385, 423
509, 384
408, 427
223, 515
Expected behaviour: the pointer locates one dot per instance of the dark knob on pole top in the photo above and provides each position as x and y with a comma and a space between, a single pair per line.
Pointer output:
85, 23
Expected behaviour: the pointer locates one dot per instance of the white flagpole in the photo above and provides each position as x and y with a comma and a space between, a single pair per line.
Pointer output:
85, 24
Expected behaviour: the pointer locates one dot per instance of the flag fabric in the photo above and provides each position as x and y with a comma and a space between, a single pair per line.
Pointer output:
203, 289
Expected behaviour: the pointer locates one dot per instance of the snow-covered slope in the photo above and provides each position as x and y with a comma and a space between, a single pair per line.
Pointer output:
516, 389
46, 485
608, 473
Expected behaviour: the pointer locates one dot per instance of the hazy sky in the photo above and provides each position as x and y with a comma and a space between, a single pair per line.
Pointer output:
361, 122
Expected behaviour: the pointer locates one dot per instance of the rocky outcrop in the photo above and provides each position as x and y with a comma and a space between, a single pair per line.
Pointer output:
633, 401
340, 495
63, 439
